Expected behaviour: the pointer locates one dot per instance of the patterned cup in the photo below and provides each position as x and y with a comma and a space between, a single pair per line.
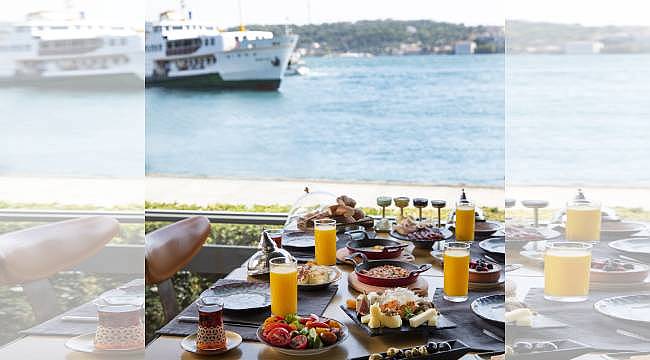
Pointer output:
211, 334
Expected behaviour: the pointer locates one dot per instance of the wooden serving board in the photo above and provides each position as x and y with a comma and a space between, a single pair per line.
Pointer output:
420, 286
342, 253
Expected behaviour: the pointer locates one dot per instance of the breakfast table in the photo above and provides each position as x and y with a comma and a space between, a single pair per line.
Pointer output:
358, 344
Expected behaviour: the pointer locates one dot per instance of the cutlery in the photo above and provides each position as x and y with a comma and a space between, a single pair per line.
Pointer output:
79, 319
632, 335
493, 335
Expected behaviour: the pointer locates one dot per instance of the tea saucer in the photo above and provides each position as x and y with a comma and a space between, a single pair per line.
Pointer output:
232, 341
86, 343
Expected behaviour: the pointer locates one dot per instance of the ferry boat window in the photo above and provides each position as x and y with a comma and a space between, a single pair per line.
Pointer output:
206, 42
157, 29
58, 27
78, 27
245, 37
22, 28
40, 28
111, 42
122, 41
187, 27
209, 27
166, 27
212, 41
177, 27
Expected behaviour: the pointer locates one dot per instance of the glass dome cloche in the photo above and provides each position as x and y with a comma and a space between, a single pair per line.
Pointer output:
313, 205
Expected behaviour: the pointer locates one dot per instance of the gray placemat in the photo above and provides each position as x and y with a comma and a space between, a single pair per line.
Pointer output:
56, 326
314, 301
470, 326
585, 324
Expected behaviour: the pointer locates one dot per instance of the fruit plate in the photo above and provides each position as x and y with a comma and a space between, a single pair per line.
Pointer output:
233, 340
630, 307
86, 343
457, 351
306, 352
566, 349
491, 307
442, 323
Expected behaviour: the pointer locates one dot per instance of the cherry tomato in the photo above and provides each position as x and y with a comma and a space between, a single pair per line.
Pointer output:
298, 342
317, 324
278, 337
311, 317
272, 326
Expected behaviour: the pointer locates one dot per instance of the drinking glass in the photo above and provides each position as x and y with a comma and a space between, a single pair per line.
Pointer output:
456, 271
325, 241
210, 334
566, 271
276, 236
284, 286
465, 218
120, 323
583, 220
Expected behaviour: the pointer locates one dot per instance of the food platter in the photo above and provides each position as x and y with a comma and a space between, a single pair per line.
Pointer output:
632, 245
631, 307
288, 350
495, 245
241, 295
386, 273
233, 340
424, 244
376, 249
491, 307
455, 349
328, 275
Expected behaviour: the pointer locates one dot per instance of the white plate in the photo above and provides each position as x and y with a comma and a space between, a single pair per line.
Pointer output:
632, 245
630, 307
334, 276
86, 343
306, 352
232, 341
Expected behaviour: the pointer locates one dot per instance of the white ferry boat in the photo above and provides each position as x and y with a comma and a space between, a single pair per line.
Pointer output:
64, 48
184, 53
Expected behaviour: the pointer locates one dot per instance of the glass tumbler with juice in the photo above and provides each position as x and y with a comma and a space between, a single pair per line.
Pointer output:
465, 220
284, 286
456, 271
583, 221
325, 241
566, 271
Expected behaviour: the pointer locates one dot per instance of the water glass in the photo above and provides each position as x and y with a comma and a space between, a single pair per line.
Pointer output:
566, 271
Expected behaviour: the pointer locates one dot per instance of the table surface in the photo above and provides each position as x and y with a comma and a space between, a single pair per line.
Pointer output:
358, 344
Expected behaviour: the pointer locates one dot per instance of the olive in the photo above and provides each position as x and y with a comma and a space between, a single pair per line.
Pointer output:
408, 354
391, 351
399, 354
522, 347
423, 350
432, 347
415, 352
444, 346
545, 346
376, 357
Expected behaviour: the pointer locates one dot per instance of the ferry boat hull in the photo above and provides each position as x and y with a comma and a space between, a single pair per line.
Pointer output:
213, 81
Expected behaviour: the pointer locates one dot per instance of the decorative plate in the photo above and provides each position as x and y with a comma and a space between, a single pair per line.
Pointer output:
491, 307
630, 307
241, 296
307, 352
232, 341
86, 343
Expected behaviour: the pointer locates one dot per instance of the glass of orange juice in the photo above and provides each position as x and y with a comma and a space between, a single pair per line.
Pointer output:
583, 220
465, 219
456, 271
325, 240
566, 271
284, 286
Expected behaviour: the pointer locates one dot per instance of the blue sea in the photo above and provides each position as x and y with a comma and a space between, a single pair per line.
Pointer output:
424, 119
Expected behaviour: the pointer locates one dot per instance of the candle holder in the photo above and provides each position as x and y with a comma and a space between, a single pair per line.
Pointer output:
383, 225
438, 204
401, 202
420, 203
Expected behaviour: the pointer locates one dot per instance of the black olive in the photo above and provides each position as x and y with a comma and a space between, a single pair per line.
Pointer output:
444, 346
432, 347
522, 347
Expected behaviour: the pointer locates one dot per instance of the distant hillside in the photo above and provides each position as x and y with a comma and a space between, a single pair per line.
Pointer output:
542, 37
390, 36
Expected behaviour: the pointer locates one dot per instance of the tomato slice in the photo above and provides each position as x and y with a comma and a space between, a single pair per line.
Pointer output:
278, 337
272, 326
298, 342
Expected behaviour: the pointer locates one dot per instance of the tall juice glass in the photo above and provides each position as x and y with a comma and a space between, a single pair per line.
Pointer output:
465, 218
566, 271
583, 220
456, 271
325, 239
284, 286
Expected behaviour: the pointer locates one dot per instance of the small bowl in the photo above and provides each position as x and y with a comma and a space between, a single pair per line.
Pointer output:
490, 276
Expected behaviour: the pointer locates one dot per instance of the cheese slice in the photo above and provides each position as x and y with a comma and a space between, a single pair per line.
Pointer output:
394, 321
518, 315
365, 319
421, 318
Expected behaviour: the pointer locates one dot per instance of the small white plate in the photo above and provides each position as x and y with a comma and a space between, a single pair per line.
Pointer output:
232, 341
86, 343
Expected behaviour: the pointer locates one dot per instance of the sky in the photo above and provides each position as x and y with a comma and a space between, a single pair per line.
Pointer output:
225, 13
